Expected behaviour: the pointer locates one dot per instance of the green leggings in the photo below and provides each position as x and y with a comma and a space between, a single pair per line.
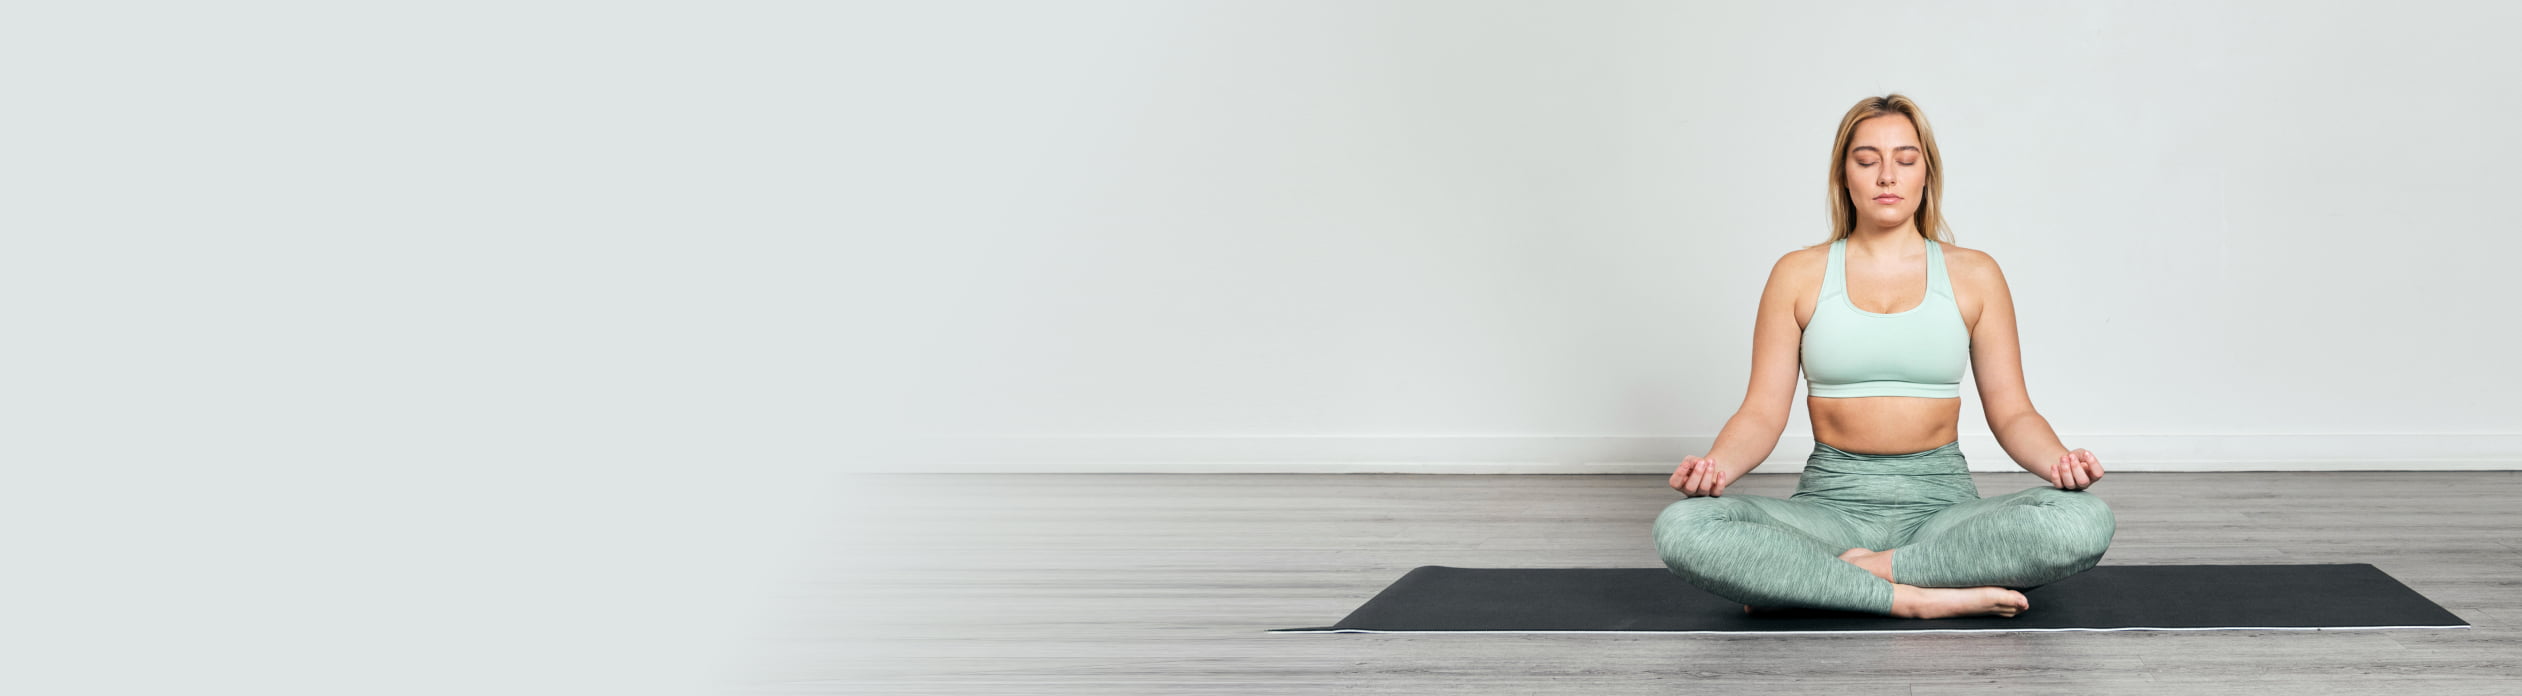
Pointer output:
1763, 551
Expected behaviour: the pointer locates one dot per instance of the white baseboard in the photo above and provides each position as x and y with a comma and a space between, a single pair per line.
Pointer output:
1096, 454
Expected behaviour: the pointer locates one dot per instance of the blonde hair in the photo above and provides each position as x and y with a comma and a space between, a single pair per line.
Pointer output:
1930, 215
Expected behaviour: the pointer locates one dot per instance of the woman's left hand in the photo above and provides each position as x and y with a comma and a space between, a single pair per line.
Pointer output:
2076, 470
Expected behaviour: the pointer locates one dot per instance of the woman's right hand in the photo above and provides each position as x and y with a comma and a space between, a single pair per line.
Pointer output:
1699, 476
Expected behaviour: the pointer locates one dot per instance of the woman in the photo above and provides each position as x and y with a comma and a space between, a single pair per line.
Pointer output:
1882, 319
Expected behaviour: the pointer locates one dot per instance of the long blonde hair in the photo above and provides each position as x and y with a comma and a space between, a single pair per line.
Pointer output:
1930, 215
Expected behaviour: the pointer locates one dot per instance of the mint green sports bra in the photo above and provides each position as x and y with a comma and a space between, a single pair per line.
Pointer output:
1852, 352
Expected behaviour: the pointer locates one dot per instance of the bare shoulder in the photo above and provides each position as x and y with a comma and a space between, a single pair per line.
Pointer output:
1970, 266
1804, 263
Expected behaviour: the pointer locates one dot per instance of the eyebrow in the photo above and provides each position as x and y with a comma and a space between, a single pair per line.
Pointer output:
1870, 147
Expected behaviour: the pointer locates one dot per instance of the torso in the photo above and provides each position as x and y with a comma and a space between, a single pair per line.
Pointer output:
1888, 424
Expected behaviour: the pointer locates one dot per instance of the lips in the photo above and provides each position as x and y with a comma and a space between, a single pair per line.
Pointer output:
1886, 198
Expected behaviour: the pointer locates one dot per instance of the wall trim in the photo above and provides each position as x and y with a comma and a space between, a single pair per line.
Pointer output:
1583, 454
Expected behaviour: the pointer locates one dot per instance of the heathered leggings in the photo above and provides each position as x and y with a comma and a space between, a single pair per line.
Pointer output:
1767, 552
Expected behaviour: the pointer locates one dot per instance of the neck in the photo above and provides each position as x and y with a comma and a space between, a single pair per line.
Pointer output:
1897, 241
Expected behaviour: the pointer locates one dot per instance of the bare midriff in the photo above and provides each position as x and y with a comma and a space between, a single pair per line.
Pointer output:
1884, 424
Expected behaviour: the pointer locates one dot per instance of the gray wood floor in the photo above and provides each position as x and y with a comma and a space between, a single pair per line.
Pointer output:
1165, 584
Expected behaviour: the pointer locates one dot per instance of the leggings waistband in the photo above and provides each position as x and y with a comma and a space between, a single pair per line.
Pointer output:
1826, 451
1941, 461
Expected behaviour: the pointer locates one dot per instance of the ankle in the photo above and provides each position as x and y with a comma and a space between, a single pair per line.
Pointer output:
1879, 563
1906, 600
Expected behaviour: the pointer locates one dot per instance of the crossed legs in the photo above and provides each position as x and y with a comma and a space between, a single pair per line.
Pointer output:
1769, 551
2024, 539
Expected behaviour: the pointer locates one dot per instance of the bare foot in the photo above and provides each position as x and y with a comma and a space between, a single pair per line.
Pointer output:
1877, 562
1910, 601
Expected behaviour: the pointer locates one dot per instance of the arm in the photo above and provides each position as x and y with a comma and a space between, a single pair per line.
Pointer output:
1776, 356
1746, 441
1996, 359
2029, 441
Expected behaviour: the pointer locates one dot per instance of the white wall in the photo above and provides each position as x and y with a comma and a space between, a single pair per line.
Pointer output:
1385, 236
412, 348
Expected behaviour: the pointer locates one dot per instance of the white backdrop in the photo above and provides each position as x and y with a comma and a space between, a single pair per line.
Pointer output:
1529, 237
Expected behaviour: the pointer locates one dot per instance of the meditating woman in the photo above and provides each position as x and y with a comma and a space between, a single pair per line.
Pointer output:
1881, 318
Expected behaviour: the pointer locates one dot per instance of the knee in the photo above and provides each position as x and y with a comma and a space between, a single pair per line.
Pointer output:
1679, 526
2083, 522
1689, 513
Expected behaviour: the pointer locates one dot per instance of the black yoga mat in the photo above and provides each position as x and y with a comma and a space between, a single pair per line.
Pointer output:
2339, 596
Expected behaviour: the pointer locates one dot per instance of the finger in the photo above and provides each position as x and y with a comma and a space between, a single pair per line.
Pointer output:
1720, 483
1695, 472
2083, 478
2058, 474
